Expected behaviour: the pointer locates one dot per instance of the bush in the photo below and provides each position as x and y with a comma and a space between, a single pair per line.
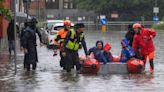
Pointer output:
159, 26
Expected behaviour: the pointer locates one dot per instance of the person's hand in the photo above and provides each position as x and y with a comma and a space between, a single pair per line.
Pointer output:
64, 54
151, 36
25, 51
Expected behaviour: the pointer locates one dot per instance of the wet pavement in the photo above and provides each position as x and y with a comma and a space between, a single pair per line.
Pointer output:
49, 77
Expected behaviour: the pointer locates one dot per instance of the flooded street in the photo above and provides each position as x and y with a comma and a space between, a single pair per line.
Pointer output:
49, 77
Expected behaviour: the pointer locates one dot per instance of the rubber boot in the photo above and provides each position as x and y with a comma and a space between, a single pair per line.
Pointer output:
151, 66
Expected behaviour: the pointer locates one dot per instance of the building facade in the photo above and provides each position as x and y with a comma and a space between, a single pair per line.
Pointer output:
4, 25
37, 9
65, 9
20, 9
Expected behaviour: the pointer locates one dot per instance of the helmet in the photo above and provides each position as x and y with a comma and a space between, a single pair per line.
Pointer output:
79, 25
137, 25
32, 20
67, 23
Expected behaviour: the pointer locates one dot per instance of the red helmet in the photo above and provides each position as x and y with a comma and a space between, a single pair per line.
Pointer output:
67, 23
137, 25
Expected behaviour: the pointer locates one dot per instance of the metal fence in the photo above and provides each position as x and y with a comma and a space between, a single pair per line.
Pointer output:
116, 26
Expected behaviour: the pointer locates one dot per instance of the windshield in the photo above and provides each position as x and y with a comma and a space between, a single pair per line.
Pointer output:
49, 24
58, 28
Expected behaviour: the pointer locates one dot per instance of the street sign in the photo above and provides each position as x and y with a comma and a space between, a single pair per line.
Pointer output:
155, 18
102, 17
103, 21
156, 9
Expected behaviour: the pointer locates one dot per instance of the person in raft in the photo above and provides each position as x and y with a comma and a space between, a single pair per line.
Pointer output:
106, 55
97, 49
127, 51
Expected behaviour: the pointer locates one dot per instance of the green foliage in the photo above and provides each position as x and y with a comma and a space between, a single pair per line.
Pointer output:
159, 26
127, 9
5, 12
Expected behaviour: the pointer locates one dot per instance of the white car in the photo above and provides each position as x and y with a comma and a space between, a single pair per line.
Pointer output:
47, 27
52, 32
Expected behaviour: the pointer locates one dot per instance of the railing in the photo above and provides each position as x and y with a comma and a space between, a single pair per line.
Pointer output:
116, 25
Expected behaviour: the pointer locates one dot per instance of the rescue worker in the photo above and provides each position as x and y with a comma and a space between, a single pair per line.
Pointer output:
127, 51
71, 46
29, 44
59, 37
143, 42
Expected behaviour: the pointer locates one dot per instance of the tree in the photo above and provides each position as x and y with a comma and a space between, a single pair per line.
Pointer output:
4, 12
127, 9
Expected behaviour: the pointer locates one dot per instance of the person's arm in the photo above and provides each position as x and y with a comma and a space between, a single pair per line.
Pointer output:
57, 38
84, 46
39, 34
152, 33
90, 50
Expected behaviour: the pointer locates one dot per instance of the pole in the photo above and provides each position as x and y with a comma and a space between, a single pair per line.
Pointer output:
15, 33
27, 3
155, 6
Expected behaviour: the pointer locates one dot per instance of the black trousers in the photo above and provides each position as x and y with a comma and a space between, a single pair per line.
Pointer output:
62, 63
71, 59
28, 66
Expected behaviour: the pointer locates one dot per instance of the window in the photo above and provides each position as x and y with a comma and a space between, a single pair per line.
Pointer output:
52, 4
48, 0
53, 0
68, 4
65, 5
66, 0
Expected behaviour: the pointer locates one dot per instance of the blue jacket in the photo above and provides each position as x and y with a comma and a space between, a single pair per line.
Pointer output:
127, 52
100, 55
96, 53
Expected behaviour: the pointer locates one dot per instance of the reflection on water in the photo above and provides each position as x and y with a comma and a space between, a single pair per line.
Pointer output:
50, 78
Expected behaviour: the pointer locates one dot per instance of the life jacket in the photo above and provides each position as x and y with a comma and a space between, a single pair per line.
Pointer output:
73, 43
62, 33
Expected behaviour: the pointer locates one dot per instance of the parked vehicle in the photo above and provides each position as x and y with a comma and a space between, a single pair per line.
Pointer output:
45, 30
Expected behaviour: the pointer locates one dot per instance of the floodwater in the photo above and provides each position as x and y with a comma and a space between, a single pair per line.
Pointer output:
49, 77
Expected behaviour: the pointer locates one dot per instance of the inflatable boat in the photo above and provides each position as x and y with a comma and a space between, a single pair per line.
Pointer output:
135, 66
90, 65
